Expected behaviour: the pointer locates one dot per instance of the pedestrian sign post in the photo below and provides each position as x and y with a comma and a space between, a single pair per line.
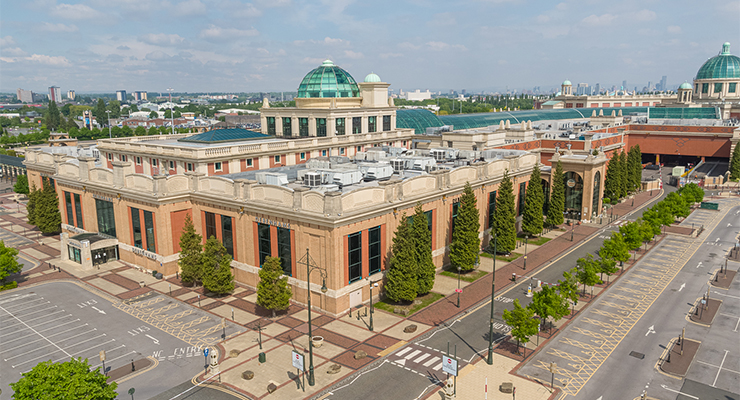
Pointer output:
298, 360
449, 365
205, 352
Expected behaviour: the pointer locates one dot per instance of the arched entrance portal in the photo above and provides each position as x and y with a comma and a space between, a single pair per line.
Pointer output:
595, 203
573, 195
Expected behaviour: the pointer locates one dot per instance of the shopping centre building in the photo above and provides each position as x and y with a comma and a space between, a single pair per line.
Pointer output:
332, 176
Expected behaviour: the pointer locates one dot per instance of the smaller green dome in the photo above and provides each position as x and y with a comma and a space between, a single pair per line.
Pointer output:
372, 78
685, 85
567, 83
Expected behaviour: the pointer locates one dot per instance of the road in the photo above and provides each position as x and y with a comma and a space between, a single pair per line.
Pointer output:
410, 372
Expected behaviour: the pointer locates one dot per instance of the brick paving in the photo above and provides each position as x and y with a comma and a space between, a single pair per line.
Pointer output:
723, 279
335, 338
121, 281
211, 306
133, 293
381, 341
348, 360
289, 321
677, 364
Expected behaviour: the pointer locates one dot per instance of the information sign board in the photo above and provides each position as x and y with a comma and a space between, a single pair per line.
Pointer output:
449, 365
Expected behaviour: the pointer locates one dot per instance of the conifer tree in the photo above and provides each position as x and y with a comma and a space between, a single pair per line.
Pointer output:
423, 245
216, 263
637, 167
52, 116
505, 218
735, 163
21, 184
402, 278
273, 291
611, 181
46, 210
624, 184
99, 112
190, 253
557, 197
465, 245
532, 218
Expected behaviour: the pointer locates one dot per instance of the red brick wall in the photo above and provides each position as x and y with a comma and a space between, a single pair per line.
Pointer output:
177, 221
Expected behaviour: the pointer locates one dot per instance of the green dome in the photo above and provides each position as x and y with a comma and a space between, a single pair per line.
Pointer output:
722, 66
567, 83
685, 85
328, 81
372, 78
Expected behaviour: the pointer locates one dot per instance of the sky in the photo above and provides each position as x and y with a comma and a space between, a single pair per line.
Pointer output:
269, 45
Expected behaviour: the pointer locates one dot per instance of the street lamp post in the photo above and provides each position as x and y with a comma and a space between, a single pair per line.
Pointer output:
110, 135
372, 309
526, 239
493, 290
459, 272
310, 267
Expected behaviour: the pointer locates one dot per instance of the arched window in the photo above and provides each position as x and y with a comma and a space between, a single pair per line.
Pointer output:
597, 188
573, 194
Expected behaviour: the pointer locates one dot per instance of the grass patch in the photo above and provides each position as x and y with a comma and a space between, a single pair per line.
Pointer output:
470, 276
539, 241
511, 257
422, 301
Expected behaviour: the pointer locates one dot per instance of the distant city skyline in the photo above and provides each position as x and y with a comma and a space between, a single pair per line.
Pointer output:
232, 46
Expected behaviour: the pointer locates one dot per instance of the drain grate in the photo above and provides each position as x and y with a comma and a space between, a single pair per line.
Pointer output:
637, 355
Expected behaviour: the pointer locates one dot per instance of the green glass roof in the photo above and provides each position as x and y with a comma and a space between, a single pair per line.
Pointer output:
416, 118
722, 66
224, 135
683, 113
328, 81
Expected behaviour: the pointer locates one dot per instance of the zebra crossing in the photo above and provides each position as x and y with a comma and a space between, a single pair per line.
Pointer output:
421, 359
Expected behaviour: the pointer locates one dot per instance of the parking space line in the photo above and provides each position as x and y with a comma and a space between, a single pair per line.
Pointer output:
21, 297
58, 333
90, 348
57, 326
29, 352
22, 309
68, 355
114, 359
720, 368
85, 341
38, 311
62, 317
12, 333
44, 316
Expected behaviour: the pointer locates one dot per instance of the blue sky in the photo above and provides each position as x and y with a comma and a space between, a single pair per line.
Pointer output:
269, 45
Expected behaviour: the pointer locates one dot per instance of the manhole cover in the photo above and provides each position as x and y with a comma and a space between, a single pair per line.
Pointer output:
712, 255
637, 355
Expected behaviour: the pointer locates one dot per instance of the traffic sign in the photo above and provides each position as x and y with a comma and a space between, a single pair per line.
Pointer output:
297, 359
102, 355
131, 391
458, 290
205, 352
449, 365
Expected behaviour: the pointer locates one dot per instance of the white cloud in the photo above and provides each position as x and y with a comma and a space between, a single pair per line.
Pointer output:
49, 60
157, 56
189, 7
76, 11
386, 56
442, 46
14, 51
162, 39
408, 46
645, 15
214, 32
7, 41
599, 20
541, 19
674, 29
329, 40
562, 6
50, 27
353, 54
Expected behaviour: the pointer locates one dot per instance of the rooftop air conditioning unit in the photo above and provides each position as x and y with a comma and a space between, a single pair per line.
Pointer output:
312, 179
397, 165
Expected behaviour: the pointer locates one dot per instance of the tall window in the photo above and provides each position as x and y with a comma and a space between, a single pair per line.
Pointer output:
491, 208
356, 125
705, 88
136, 224
320, 127
284, 250
718, 88
522, 194
106, 217
210, 225
597, 189
227, 234
374, 249
68, 204
287, 128
303, 127
372, 123
732, 87
271, 126
455, 207
355, 256
263, 231
74, 254
149, 228
340, 126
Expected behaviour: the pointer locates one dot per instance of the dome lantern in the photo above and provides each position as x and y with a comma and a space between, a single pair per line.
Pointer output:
328, 81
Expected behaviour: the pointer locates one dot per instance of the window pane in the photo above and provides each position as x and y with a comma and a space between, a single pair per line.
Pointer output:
454, 216
522, 194
321, 127
340, 126
284, 250
717, 88
491, 207
355, 256
106, 217
68, 204
371, 123
386, 123
78, 211
263, 232
705, 88
136, 224
732, 88
287, 129
210, 225
149, 226
303, 127
374, 249
356, 125
227, 235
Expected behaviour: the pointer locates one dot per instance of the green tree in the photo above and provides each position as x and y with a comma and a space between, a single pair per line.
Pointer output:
557, 197
624, 175
505, 216
606, 266
646, 231
587, 268
46, 210
114, 106
423, 244
402, 278
615, 248
33, 196
99, 112
735, 164
632, 235
217, 277
568, 286
653, 219
8, 262
678, 206
70, 380
273, 291
692, 193
465, 245
52, 116
153, 114
140, 131
534, 201
191, 251
522, 323
152, 131
548, 303
612, 179
634, 167
21, 184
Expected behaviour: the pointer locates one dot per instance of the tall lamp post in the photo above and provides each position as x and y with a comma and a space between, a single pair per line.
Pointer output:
110, 135
493, 290
526, 239
372, 310
310, 267
459, 272
172, 114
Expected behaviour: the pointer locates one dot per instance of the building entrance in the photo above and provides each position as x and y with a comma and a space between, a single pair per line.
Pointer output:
104, 255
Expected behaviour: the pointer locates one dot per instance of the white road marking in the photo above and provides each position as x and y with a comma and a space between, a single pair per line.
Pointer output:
153, 339
414, 354
44, 316
720, 368
717, 366
57, 326
683, 285
20, 297
422, 358
62, 317
401, 362
650, 330
22, 309
404, 351
38, 311
438, 367
98, 310
726, 295
37, 340
699, 266
430, 362
676, 391
62, 350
